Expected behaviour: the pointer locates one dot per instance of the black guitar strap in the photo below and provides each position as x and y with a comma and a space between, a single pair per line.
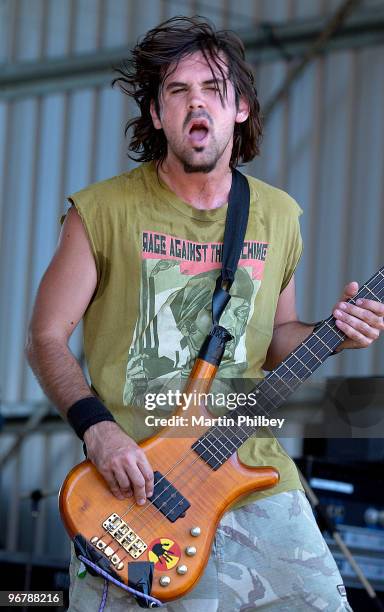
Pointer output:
235, 227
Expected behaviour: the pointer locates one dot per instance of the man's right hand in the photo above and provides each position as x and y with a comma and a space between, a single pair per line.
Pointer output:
120, 461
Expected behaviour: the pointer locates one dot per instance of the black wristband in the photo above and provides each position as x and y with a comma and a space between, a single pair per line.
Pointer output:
86, 412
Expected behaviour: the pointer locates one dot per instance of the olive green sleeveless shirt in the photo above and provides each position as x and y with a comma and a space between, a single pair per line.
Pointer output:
157, 260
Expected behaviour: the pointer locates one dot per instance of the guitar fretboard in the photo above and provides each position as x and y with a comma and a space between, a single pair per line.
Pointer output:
220, 442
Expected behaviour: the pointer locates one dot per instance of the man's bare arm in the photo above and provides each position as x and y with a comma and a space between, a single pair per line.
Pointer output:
63, 296
361, 324
288, 332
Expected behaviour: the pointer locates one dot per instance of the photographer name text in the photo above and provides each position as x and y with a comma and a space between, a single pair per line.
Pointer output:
221, 421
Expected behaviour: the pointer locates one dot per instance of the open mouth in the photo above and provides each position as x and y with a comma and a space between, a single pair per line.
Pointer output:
198, 131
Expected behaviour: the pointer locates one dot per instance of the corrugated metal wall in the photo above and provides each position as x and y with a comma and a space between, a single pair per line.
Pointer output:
323, 144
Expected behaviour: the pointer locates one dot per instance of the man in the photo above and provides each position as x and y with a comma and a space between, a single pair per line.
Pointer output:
129, 251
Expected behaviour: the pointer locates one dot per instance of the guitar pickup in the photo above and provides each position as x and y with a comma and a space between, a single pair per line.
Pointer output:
168, 499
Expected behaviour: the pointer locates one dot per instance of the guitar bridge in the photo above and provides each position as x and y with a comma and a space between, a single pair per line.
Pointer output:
125, 536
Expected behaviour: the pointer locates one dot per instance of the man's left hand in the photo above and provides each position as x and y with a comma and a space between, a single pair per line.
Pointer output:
361, 323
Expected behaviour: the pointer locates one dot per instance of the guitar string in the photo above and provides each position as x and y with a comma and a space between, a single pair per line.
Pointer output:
269, 400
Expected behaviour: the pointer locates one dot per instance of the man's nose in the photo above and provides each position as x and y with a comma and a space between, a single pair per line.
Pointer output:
195, 99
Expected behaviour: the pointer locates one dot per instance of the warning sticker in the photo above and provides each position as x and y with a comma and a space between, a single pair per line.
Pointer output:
164, 553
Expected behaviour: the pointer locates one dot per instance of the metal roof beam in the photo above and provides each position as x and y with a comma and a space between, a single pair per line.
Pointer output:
274, 41
266, 42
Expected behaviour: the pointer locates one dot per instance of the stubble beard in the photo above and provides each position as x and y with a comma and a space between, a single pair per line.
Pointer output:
204, 166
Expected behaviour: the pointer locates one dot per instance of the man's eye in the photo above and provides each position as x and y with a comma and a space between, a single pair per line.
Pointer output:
176, 91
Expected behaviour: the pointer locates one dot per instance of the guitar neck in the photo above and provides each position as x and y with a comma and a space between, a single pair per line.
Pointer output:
220, 442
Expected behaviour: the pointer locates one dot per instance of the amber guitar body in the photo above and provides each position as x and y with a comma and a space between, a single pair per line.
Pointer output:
144, 533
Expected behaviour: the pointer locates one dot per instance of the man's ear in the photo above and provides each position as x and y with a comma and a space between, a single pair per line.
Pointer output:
155, 117
242, 111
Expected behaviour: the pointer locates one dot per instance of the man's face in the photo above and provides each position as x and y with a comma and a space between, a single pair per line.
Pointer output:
197, 124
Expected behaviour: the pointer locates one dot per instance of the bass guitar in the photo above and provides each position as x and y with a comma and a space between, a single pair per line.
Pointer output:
197, 477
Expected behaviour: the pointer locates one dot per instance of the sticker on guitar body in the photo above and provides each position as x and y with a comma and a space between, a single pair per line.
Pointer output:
164, 553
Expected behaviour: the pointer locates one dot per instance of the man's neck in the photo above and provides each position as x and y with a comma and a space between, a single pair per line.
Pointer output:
204, 191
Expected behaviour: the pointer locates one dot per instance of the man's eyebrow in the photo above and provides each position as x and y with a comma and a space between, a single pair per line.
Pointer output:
182, 84
214, 81
175, 84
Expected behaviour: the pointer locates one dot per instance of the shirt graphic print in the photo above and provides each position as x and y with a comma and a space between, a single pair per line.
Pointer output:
177, 282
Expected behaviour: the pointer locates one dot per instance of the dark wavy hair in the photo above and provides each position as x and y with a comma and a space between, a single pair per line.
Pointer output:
143, 74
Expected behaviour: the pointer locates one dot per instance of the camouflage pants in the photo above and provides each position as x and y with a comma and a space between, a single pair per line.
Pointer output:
268, 555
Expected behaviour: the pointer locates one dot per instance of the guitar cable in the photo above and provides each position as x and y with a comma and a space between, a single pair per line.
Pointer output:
151, 602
